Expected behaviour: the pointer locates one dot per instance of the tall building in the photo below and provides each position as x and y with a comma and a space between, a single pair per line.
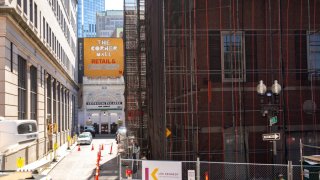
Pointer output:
206, 59
87, 10
38, 73
109, 23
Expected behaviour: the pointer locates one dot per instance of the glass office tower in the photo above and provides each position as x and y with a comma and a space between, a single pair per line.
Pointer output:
87, 10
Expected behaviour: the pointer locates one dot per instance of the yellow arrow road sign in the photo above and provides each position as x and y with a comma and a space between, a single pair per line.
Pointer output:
153, 174
168, 132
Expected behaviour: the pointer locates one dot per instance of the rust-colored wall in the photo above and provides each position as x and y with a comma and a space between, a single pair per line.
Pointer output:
274, 38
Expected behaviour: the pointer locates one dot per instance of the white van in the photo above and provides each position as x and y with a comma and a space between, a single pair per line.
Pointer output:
17, 132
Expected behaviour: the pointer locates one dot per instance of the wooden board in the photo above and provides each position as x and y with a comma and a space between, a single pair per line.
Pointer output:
312, 158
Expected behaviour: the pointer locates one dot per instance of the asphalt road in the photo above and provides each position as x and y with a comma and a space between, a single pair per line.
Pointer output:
82, 164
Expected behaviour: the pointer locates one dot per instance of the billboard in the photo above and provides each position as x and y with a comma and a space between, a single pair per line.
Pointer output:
103, 57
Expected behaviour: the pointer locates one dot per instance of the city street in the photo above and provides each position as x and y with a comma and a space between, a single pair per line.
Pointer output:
82, 164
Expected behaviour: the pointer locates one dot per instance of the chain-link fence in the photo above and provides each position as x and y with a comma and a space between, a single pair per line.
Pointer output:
226, 171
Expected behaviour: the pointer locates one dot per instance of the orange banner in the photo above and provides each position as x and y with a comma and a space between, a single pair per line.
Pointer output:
103, 57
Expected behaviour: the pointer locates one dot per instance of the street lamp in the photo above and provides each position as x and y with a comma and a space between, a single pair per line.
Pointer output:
271, 108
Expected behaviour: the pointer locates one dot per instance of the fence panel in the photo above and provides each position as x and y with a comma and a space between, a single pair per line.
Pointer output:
220, 170
241, 171
132, 164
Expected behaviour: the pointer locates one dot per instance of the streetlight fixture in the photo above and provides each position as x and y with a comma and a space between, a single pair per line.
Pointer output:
271, 108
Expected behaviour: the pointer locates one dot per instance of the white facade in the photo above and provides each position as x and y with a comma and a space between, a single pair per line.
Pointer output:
102, 101
37, 71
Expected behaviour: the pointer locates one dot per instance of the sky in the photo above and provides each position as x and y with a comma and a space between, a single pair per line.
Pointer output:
114, 4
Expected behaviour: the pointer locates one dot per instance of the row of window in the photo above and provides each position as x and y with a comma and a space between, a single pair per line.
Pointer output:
233, 55
60, 18
22, 90
33, 9
47, 33
58, 98
53, 42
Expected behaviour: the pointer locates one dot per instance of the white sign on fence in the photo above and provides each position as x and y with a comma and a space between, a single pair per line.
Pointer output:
191, 175
161, 170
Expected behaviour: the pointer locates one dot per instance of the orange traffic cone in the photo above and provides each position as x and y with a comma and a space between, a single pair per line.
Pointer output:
92, 148
102, 147
79, 147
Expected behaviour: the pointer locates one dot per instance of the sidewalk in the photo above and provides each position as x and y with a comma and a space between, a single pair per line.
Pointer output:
62, 152
44, 165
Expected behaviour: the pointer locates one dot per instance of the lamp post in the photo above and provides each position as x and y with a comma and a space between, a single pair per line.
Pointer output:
270, 106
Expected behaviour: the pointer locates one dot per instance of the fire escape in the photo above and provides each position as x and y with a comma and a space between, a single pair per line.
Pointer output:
135, 70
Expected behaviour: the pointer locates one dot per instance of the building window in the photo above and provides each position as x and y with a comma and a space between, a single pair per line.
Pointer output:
47, 32
19, 2
31, 10
232, 53
59, 106
33, 92
73, 113
54, 98
25, 6
11, 56
66, 110
49, 40
22, 88
36, 15
44, 28
49, 96
314, 54
62, 108
41, 76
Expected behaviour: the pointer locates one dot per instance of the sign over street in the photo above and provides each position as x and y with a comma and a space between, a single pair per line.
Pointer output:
271, 136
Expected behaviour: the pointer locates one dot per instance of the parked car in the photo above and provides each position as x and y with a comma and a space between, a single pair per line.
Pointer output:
84, 138
89, 133
90, 129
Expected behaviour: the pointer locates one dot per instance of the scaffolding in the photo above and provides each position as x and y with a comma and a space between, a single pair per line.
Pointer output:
135, 69
209, 102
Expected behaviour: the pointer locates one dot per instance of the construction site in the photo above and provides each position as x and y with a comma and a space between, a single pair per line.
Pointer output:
225, 81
